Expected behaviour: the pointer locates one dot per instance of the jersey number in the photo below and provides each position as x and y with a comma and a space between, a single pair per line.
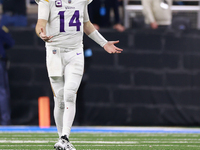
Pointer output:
74, 21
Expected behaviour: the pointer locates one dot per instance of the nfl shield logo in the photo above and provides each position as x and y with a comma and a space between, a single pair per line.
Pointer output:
54, 51
69, 1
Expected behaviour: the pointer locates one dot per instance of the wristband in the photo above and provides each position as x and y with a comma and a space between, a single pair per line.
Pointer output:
98, 38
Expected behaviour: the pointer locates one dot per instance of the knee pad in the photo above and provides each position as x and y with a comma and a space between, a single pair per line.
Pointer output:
70, 92
59, 93
59, 103
70, 96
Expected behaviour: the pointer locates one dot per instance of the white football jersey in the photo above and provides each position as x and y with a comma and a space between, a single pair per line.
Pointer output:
65, 22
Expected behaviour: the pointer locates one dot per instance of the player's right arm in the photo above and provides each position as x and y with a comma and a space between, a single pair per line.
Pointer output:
40, 30
41, 25
43, 15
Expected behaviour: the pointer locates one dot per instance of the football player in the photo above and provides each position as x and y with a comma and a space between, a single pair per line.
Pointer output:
61, 24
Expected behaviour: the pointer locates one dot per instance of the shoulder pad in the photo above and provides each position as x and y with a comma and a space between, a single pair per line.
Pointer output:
37, 1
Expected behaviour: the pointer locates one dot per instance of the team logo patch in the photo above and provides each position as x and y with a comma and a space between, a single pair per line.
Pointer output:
54, 51
58, 3
69, 1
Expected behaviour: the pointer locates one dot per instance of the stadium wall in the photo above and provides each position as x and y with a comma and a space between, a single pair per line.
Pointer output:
154, 82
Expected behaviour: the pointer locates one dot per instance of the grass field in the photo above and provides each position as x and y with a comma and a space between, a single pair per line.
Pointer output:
102, 141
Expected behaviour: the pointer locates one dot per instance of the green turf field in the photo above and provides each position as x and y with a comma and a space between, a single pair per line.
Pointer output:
102, 141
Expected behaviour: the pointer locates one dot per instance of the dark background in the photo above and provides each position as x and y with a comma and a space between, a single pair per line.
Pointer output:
154, 82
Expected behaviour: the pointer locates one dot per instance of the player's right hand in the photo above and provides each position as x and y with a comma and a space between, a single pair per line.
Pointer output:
44, 37
154, 25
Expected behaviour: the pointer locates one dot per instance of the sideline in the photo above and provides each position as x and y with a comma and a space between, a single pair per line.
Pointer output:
100, 129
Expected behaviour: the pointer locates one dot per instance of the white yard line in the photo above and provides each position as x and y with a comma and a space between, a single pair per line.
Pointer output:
22, 141
100, 142
112, 145
21, 145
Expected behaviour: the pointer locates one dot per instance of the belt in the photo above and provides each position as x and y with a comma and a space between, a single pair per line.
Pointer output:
65, 50
68, 49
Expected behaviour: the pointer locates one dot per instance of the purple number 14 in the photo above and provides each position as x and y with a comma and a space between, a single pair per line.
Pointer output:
74, 21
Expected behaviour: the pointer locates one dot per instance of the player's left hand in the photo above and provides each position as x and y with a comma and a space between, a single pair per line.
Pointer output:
44, 37
111, 48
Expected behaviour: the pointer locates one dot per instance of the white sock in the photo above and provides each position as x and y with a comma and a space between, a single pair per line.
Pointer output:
68, 117
58, 114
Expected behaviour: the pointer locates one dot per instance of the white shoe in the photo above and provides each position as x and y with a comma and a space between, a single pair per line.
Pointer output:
64, 144
58, 145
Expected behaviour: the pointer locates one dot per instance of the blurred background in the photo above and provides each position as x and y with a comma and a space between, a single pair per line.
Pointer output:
154, 82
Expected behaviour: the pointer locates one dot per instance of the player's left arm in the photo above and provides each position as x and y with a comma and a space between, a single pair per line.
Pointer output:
90, 30
109, 46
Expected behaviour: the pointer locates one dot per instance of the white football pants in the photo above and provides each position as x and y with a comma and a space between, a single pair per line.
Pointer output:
65, 89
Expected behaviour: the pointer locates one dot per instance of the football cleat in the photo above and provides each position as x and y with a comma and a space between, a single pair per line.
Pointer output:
64, 144
56, 146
